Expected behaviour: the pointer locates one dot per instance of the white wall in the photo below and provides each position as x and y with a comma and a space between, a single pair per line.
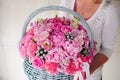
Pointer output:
12, 16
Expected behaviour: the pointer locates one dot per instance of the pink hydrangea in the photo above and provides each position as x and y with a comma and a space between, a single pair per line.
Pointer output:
55, 55
72, 47
58, 38
79, 39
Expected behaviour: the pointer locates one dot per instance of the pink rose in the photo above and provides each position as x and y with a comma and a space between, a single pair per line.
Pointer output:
37, 62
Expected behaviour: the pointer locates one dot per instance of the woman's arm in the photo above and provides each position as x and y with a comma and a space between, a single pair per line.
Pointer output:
97, 61
108, 38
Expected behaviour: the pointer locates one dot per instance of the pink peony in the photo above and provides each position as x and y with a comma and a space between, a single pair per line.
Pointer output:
37, 62
51, 67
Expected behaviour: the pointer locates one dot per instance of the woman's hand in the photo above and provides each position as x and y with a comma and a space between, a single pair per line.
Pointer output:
98, 60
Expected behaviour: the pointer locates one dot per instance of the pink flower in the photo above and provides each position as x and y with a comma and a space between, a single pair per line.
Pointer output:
86, 42
72, 47
37, 62
51, 67
66, 61
56, 26
47, 44
25, 42
41, 36
35, 24
82, 33
28, 37
56, 55
58, 38
54, 44
31, 49
66, 29
79, 39
22, 50
71, 68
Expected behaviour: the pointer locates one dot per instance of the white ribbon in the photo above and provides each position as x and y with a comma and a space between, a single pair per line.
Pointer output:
78, 75
85, 67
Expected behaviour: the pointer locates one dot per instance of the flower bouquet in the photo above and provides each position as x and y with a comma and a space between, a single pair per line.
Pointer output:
56, 45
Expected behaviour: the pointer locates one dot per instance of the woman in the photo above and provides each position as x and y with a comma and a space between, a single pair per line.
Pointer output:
102, 18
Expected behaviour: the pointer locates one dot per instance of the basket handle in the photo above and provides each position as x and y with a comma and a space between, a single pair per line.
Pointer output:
58, 8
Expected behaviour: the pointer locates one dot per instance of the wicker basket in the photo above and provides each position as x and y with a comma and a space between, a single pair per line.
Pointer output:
30, 71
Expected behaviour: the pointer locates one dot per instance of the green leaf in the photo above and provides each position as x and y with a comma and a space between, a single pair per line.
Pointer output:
76, 21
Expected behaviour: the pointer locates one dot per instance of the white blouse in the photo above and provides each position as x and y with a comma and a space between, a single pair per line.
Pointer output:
103, 24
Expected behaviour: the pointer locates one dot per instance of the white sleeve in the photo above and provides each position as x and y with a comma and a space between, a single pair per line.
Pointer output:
109, 31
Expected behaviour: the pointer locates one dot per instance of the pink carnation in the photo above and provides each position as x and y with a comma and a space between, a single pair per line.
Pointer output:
71, 68
51, 67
